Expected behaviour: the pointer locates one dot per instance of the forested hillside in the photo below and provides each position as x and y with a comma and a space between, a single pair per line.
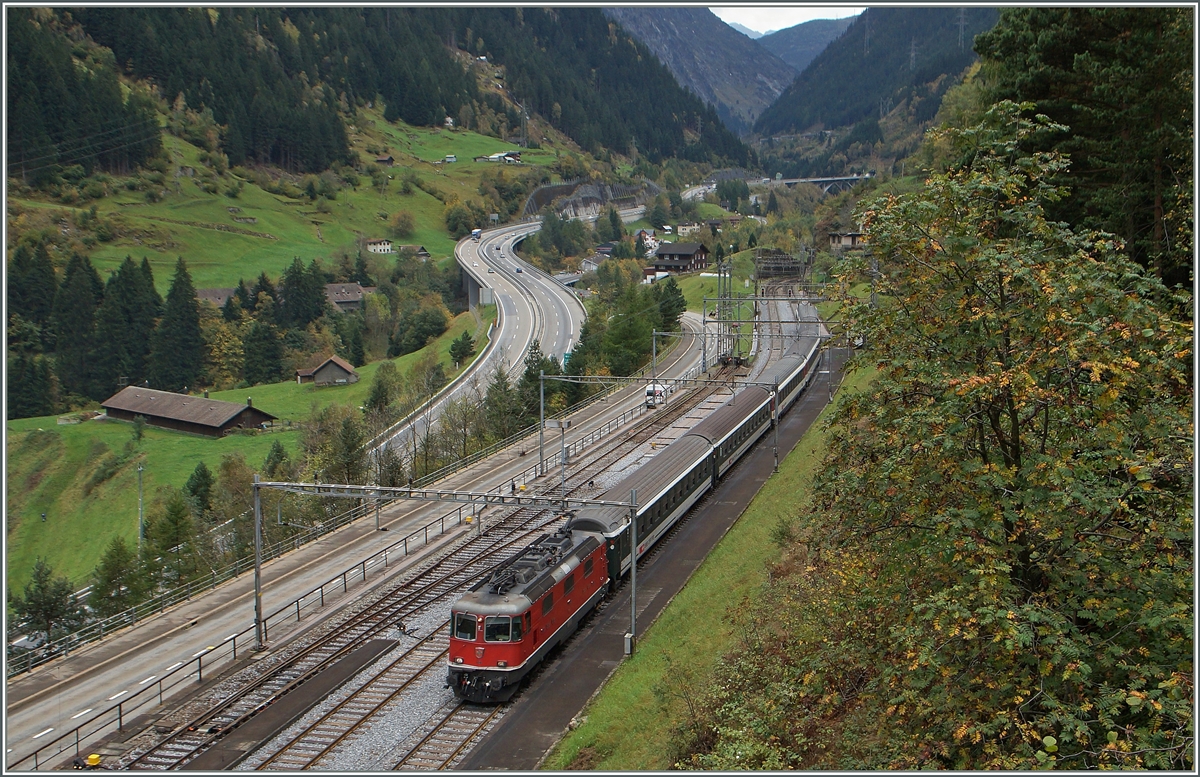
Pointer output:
281, 83
800, 45
708, 57
884, 56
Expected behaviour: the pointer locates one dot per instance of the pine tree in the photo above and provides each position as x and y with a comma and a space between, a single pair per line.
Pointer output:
48, 603
348, 454
263, 354
276, 462
118, 582
74, 325
170, 535
177, 346
358, 355
199, 487
462, 348
124, 325
30, 386
32, 285
154, 300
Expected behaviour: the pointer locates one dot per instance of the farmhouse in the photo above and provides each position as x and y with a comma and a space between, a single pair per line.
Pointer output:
346, 296
184, 413
417, 251
331, 372
680, 257
381, 246
218, 297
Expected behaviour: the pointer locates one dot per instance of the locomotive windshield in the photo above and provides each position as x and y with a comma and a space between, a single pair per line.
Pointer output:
497, 628
464, 626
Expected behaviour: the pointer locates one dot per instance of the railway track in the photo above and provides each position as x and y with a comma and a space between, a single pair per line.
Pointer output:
449, 737
434, 583
339, 724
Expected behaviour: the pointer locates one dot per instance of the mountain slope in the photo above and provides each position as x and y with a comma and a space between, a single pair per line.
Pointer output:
743, 29
801, 44
883, 55
708, 57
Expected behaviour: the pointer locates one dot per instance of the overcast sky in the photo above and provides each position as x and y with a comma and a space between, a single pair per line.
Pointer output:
767, 18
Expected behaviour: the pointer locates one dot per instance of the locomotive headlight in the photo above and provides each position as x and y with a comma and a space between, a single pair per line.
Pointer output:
501, 663
458, 660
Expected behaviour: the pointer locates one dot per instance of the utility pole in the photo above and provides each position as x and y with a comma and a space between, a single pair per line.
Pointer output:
258, 619
542, 421
141, 512
629, 638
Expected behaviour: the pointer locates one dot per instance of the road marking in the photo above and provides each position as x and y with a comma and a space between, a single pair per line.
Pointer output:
148, 679
78, 714
44, 733
173, 666
114, 696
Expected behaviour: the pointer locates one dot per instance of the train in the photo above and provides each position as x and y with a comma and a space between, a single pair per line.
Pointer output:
505, 624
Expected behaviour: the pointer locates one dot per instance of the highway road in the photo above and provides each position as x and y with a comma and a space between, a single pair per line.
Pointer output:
56, 697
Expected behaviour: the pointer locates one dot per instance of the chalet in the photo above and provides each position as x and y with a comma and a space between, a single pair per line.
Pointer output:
218, 297
184, 413
417, 251
680, 257
842, 241
691, 228
386, 161
347, 296
606, 249
331, 372
381, 246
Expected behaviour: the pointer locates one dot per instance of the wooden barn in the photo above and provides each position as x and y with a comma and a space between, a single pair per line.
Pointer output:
184, 413
331, 372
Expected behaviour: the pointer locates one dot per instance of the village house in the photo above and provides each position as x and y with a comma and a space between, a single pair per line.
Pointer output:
680, 257
184, 413
347, 296
331, 372
218, 297
380, 246
417, 251
690, 228
842, 241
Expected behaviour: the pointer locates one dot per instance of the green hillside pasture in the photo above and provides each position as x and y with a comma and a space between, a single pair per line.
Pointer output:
696, 288
49, 469
629, 726
292, 401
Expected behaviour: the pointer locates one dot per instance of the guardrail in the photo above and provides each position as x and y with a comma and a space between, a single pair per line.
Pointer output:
295, 611
19, 663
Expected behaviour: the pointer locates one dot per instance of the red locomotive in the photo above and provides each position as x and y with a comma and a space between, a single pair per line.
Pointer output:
509, 621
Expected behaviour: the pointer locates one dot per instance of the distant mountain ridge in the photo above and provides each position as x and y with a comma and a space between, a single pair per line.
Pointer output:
743, 29
800, 45
709, 58
878, 61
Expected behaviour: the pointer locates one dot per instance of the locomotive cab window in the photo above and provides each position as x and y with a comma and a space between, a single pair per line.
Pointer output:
516, 628
464, 626
498, 628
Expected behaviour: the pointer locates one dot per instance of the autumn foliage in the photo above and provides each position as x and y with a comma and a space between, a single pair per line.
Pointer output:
996, 568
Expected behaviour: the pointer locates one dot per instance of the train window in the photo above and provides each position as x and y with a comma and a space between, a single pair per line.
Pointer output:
587, 567
516, 628
464, 626
548, 603
497, 628
569, 583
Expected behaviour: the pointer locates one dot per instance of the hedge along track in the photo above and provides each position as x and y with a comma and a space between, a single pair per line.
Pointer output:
435, 582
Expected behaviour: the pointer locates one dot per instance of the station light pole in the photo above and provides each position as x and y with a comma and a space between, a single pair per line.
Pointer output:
258, 619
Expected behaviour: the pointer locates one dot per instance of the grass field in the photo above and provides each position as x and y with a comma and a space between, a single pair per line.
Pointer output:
630, 725
199, 226
49, 465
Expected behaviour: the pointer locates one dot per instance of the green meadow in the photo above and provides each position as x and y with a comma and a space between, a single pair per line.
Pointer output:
50, 465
